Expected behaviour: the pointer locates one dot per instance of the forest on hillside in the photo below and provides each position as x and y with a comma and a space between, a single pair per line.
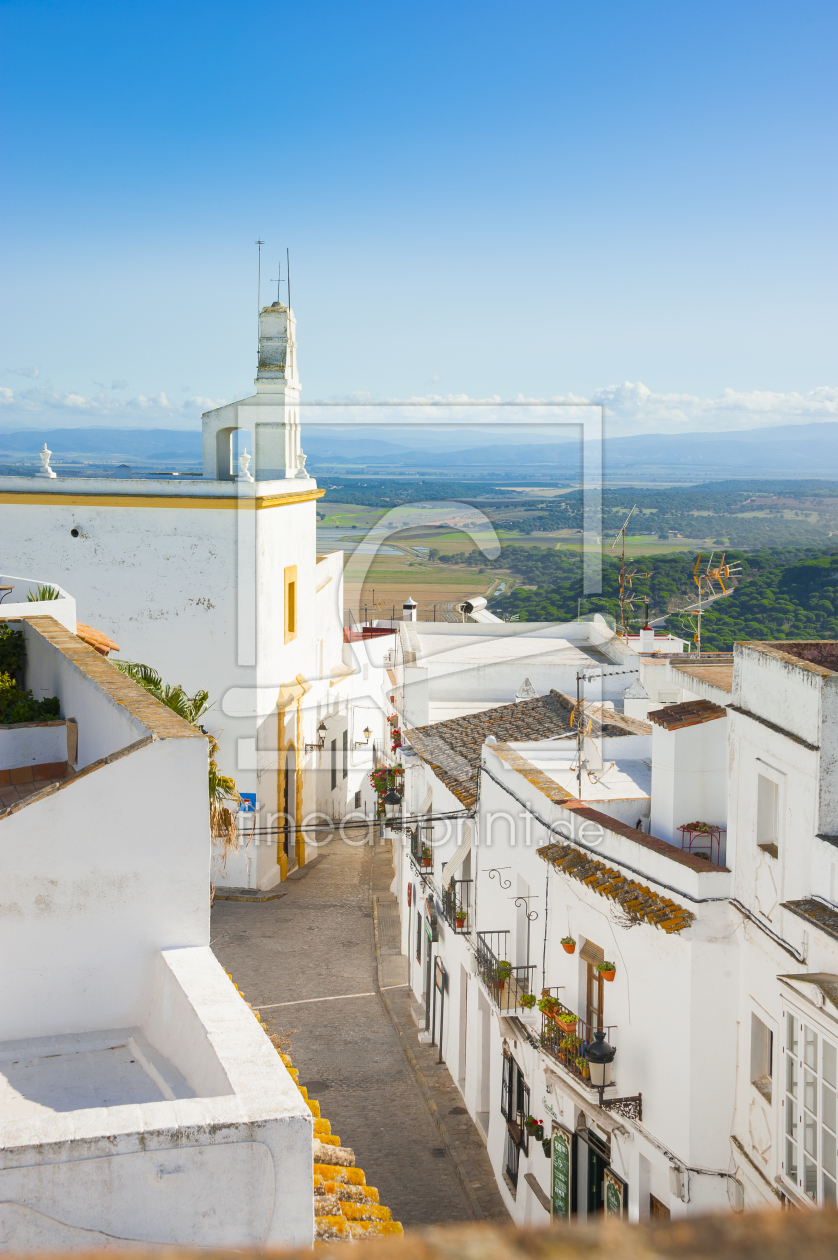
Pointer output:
789, 592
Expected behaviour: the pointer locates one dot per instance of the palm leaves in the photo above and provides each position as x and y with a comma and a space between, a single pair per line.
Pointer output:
222, 788
190, 708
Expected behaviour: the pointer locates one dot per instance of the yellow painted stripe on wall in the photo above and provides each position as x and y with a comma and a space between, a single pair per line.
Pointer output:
131, 500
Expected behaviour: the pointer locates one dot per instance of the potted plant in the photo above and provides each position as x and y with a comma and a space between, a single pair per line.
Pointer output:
582, 1064
460, 918
501, 974
547, 1005
528, 1001
571, 1043
568, 944
607, 970
535, 1128
566, 1020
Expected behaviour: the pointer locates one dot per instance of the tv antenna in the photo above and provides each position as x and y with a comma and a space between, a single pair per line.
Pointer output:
706, 580
288, 275
627, 576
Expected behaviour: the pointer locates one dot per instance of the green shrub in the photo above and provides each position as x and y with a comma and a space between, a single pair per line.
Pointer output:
12, 649
17, 705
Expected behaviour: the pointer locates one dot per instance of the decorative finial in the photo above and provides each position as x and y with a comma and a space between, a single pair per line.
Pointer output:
301, 474
45, 470
244, 463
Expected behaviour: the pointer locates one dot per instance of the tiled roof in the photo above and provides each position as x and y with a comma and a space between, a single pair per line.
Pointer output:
97, 639
823, 917
692, 713
636, 900
452, 748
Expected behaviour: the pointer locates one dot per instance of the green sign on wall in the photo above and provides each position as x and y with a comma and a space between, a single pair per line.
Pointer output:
561, 1174
614, 1194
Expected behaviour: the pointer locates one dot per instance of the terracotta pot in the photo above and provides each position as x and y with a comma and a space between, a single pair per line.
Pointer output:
608, 975
568, 948
567, 1025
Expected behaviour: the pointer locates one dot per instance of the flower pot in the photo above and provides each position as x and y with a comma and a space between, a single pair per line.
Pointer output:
568, 947
608, 975
567, 1025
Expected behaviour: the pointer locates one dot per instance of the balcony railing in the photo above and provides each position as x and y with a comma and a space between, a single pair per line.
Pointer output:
565, 1037
421, 853
507, 984
456, 905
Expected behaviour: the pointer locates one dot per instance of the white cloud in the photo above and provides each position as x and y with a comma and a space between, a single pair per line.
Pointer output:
44, 405
33, 371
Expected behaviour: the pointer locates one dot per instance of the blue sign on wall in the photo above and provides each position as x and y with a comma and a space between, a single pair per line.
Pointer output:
248, 804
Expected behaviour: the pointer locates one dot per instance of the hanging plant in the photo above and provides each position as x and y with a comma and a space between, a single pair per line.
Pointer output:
607, 970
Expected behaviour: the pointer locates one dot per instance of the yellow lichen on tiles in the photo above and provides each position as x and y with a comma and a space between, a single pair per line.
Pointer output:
314, 1107
331, 1229
372, 1229
366, 1212
350, 1194
334, 1172
328, 1139
322, 1126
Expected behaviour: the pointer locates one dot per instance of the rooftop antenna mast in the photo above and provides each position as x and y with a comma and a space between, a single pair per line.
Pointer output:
278, 280
626, 576
705, 583
259, 245
288, 275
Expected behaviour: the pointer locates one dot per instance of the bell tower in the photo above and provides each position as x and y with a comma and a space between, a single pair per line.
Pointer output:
272, 414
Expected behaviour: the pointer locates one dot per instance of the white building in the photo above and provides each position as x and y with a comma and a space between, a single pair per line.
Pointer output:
721, 925
141, 1100
215, 582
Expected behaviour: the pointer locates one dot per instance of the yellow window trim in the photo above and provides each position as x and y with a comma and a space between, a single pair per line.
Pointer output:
291, 606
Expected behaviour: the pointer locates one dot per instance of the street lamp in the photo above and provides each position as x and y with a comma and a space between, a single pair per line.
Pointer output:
318, 747
392, 804
600, 1056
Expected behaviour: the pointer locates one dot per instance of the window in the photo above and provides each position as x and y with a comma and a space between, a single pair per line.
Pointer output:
668, 697
345, 753
768, 815
290, 603
593, 954
809, 1101
334, 766
762, 1055
358, 799
515, 1102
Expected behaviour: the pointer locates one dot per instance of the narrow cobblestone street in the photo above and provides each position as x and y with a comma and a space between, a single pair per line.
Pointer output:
309, 962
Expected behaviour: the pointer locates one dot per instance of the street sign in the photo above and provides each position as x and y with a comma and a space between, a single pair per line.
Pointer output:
614, 1194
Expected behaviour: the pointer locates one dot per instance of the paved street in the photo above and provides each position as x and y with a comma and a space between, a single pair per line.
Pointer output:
308, 961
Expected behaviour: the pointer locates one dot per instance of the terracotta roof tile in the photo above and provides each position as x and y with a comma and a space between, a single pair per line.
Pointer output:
692, 713
96, 638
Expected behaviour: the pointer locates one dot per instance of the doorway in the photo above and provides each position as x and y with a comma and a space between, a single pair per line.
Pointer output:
289, 803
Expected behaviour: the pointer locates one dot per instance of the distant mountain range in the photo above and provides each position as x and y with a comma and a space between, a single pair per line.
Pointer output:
789, 450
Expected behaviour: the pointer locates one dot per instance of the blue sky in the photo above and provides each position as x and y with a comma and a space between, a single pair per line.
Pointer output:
546, 200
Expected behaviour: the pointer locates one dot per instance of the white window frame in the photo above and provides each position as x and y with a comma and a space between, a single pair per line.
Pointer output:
808, 1084
779, 779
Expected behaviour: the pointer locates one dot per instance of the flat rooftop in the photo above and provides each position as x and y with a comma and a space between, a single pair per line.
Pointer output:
82, 1071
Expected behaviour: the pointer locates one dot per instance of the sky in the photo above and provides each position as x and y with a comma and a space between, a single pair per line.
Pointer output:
627, 203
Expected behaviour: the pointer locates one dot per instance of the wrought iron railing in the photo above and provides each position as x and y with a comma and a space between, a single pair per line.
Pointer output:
421, 852
456, 905
565, 1036
507, 984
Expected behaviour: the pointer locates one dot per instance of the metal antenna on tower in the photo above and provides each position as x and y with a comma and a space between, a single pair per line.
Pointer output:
278, 280
288, 275
259, 277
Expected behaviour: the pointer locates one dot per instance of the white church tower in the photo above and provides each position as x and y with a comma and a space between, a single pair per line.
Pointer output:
216, 583
272, 414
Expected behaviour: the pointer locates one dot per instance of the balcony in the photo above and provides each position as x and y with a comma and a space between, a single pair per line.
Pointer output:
565, 1036
421, 853
507, 984
456, 905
